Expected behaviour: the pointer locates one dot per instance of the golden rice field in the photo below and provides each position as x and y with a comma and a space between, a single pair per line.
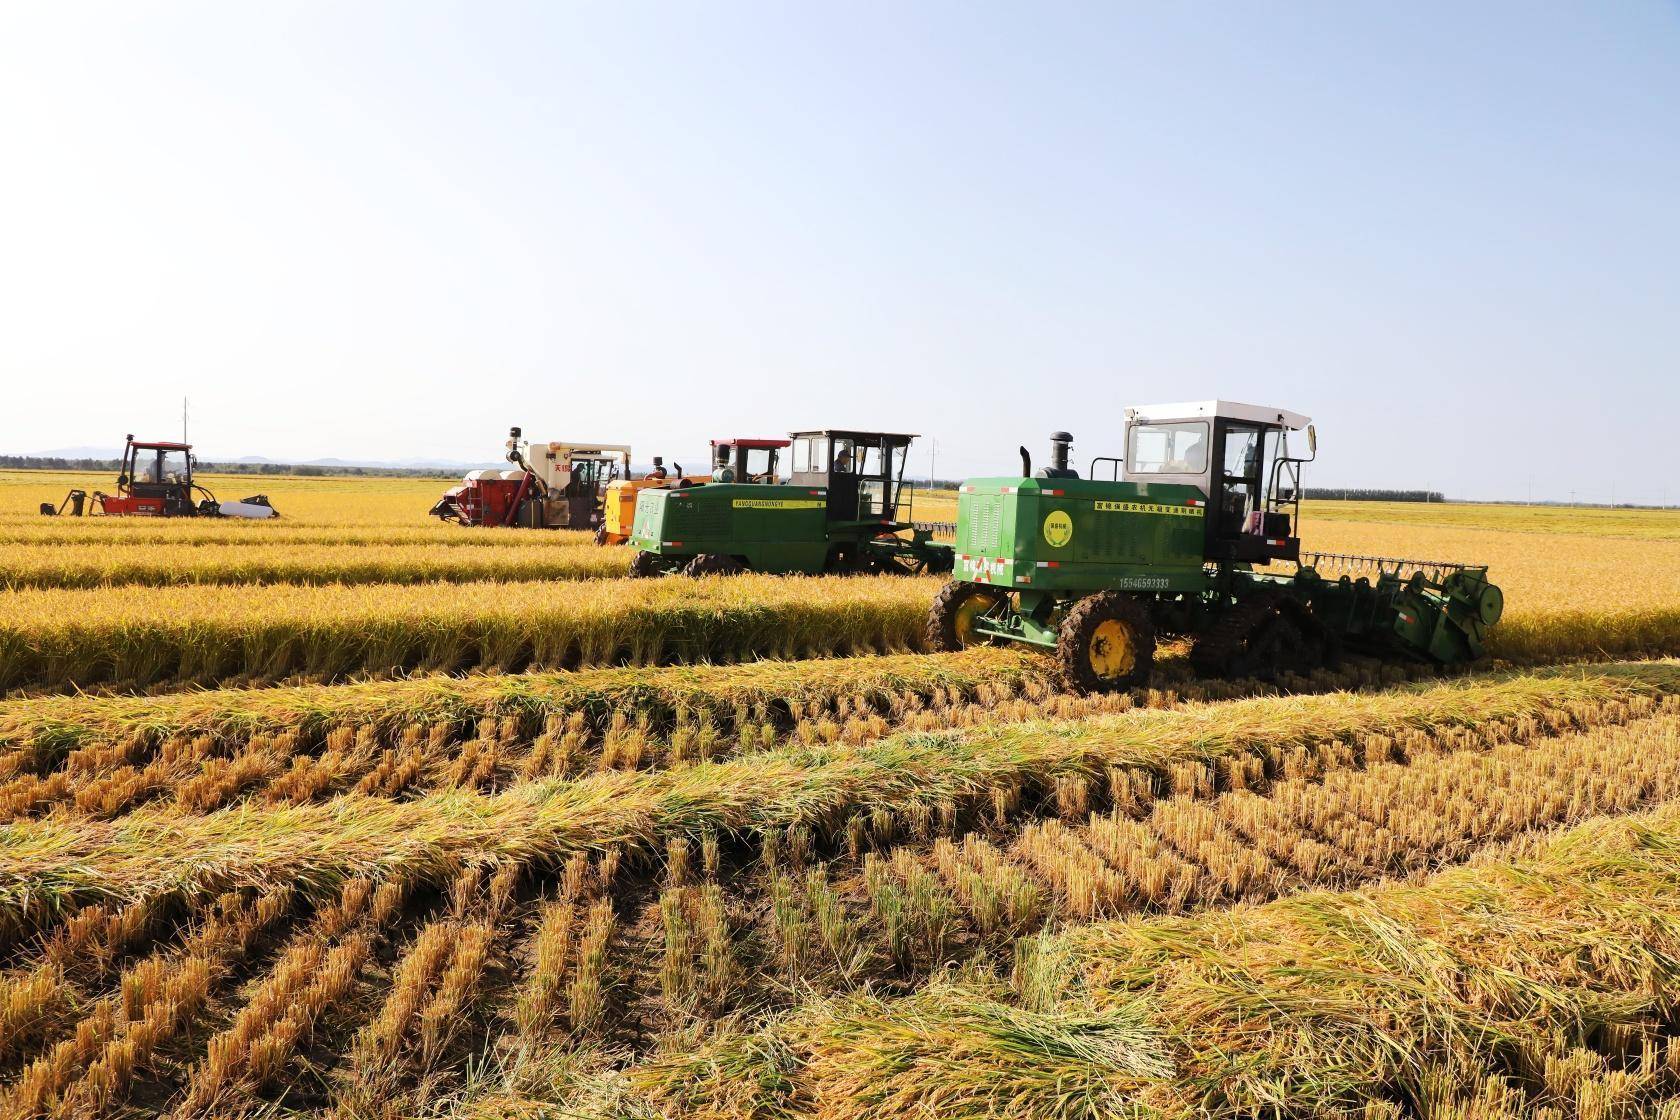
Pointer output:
1586, 521
354, 815
348, 502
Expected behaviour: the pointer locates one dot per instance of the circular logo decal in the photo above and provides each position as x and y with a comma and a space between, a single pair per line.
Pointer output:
1058, 528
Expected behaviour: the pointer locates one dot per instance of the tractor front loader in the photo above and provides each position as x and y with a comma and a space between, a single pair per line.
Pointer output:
1176, 541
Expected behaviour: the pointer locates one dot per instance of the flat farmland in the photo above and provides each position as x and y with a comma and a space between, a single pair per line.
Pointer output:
350, 502
355, 814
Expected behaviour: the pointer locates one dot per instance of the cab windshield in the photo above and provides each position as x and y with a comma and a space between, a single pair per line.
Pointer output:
589, 474
761, 465
1168, 448
154, 467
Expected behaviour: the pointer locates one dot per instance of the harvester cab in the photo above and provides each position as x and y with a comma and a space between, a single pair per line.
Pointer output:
156, 480
862, 472
1236, 454
747, 460
571, 479
1172, 537
838, 512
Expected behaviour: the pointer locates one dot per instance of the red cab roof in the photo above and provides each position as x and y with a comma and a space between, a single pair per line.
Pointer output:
752, 443
162, 446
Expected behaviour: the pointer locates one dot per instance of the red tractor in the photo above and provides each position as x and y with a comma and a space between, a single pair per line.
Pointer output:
156, 480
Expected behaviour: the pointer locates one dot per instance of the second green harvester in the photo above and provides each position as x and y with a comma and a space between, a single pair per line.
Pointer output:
845, 508
1176, 540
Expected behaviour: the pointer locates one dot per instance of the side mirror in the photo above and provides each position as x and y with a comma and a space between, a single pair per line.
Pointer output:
1312, 439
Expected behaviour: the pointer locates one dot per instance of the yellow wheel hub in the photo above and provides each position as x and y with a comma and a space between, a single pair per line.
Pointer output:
1112, 653
968, 612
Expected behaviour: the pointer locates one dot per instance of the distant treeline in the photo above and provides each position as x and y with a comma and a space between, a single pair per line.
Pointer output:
310, 470
1327, 495
306, 470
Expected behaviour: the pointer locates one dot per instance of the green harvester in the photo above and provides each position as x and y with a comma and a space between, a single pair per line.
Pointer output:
1175, 542
845, 508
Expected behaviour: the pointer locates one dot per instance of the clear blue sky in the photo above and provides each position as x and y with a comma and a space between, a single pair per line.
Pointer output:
1450, 232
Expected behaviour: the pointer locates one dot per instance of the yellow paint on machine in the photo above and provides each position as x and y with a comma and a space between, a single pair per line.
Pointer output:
1147, 507
1058, 529
776, 503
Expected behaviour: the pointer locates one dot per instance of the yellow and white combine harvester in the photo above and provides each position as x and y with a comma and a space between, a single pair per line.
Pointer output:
557, 486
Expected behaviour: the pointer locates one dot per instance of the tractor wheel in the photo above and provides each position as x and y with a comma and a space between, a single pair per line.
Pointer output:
1107, 642
950, 621
645, 565
713, 564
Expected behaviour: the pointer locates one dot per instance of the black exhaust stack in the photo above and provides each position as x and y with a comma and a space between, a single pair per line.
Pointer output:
1026, 463
1061, 443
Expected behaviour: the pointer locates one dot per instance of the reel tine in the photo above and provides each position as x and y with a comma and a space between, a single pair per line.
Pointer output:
1402, 568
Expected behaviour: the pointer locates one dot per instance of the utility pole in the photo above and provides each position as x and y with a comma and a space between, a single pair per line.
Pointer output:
933, 460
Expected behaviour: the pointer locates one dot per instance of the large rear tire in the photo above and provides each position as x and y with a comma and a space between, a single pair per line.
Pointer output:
645, 565
1107, 642
713, 564
950, 621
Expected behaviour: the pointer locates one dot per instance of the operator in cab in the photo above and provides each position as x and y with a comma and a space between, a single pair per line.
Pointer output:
1191, 458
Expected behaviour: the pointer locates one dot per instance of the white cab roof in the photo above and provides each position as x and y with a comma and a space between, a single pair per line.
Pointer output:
1231, 410
583, 450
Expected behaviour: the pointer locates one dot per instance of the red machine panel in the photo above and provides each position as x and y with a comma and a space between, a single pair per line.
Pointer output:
113, 506
490, 501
